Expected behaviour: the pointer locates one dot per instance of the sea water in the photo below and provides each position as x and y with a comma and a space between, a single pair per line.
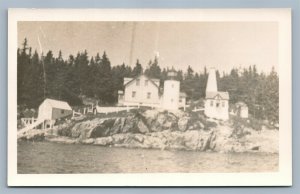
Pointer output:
45, 157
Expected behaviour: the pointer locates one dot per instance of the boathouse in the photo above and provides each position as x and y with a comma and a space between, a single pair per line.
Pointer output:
54, 109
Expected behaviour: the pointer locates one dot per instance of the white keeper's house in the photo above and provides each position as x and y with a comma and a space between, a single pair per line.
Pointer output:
145, 91
216, 102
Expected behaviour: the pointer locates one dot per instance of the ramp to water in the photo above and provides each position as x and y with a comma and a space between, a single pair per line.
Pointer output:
29, 127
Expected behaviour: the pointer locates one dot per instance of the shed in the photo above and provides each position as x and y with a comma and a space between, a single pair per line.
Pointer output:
54, 109
242, 109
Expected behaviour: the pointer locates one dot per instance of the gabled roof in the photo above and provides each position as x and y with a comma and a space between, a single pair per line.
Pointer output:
58, 104
151, 80
221, 95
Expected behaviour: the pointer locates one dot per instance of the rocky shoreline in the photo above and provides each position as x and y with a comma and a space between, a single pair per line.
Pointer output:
152, 129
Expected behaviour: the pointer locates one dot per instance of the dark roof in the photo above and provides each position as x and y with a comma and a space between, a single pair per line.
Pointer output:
213, 95
151, 80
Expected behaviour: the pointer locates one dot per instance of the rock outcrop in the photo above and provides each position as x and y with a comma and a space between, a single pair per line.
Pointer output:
160, 130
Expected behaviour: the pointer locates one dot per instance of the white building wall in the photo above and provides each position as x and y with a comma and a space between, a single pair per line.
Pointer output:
171, 94
146, 94
220, 112
244, 112
45, 111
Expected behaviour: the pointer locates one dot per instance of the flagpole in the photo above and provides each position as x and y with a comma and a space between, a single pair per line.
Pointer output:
44, 72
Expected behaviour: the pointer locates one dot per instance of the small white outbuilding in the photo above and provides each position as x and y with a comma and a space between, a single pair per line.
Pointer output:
242, 110
54, 109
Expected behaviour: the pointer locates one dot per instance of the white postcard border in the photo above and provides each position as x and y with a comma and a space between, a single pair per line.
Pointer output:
281, 178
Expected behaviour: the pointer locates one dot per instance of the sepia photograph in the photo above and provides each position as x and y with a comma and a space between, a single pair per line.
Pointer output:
192, 95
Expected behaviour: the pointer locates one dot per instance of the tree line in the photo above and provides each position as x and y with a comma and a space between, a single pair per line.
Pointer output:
47, 76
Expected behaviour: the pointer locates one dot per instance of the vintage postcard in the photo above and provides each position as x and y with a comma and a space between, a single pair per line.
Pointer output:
149, 97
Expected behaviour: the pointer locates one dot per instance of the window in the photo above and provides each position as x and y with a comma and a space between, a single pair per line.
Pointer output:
172, 100
211, 103
137, 82
172, 85
62, 111
217, 104
133, 94
146, 82
223, 104
180, 99
148, 95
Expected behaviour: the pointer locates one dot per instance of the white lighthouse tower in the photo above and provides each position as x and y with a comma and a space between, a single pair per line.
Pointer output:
216, 103
212, 81
171, 92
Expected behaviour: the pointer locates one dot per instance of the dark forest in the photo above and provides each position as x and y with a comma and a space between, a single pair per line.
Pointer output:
79, 76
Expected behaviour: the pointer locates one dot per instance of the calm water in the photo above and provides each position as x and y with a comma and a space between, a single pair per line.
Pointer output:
44, 157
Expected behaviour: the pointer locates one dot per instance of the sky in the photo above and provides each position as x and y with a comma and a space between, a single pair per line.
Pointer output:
222, 45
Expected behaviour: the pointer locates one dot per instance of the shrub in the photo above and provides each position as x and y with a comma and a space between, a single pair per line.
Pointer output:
239, 128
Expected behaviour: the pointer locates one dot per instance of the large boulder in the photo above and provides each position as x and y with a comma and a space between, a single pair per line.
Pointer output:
142, 127
97, 127
262, 141
83, 129
160, 121
103, 141
183, 123
119, 138
88, 141
103, 129
154, 141
191, 140
129, 124
134, 141
117, 126
135, 124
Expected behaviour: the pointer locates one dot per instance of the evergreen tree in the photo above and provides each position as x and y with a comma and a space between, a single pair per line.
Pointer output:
91, 77
104, 89
153, 70
271, 97
138, 69
79, 76
23, 60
